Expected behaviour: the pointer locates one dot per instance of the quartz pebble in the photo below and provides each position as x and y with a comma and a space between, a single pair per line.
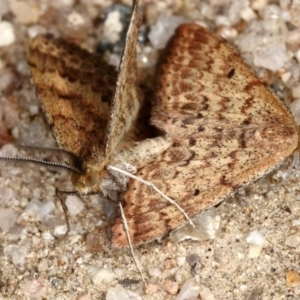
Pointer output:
119, 293
190, 290
163, 29
207, 225
256, 238
247, 14
38, 209
206, 294
99, 275
154, 272
16, 254
74, 204
254, 251
7, 219
271, 56
7, 34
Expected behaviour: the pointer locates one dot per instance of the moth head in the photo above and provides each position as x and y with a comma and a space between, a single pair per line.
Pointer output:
86, 182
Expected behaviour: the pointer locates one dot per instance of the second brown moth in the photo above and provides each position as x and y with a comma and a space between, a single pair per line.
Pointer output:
221, 126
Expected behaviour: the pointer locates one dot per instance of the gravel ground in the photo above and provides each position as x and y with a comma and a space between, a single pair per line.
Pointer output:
253, 252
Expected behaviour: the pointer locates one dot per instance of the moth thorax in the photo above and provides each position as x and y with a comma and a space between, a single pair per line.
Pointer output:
85, 182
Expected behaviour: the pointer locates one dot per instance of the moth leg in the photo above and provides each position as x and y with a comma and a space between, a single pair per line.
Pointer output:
125, 226
140, 154
65, 208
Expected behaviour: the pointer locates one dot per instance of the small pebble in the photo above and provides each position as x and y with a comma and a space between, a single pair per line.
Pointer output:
190, 290
151, 289
169, 263
254, 251
293, 240
74, 204
292, 278
7, 218
259, 4
180, 261
99, 275
272, 56
119, 293
247, 14
16, 254
256, 238
206, 294
285, 77
34, 290
163, 29
7, 34
154, 272
43, 265
171, 286
25, 12
207, 226
85, 297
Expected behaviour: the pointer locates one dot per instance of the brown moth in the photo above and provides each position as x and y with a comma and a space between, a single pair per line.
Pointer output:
228, 128
222, 126
92, 109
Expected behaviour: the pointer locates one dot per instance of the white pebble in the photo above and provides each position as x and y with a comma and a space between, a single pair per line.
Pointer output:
163, 29
99, 275
74, 204
207, 225
259, 4
154, 272
189, 290
7, 34
256, 238
38, 209
47, 236
247, 14
60, 230
181, 260
285, 77
119, 293
254, 251
206, 294
34, 30
271, 56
